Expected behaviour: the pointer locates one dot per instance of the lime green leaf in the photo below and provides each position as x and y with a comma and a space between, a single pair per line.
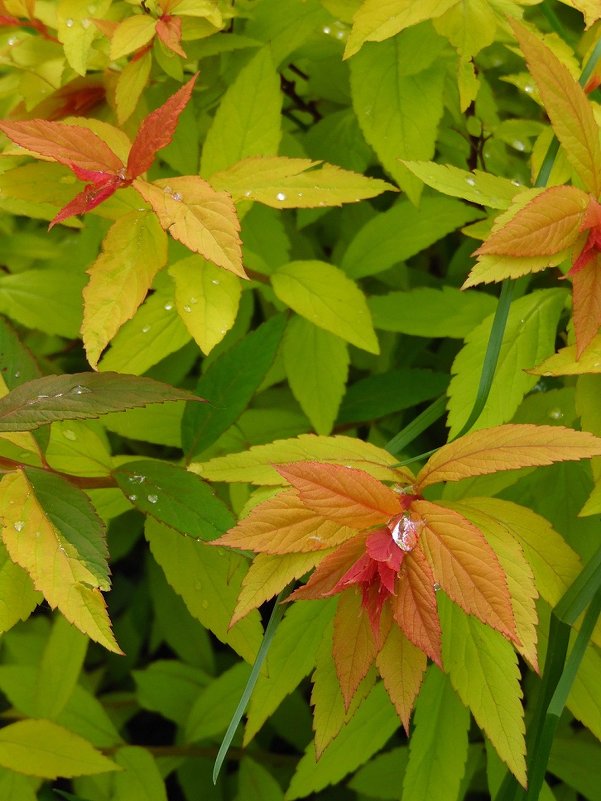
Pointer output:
248, 120
17, 593
15, 785
529, 337
255, 783
170, 688
402, 231
76, 30
323, 295
207, 299
134, 32
214, 707
41, 748
381, 776
133, 251
175, 497
286, 183
80, 396
564, 362
229, 384
49, 300
440, 739
285, 33
291, 657
140, 779
78, 448
429, 312
477, 186
483, 669
400, 120
59, 669
158, 424
130, 85
367, 731
209, 582
255, 464
317, 366
593, 504
576, 761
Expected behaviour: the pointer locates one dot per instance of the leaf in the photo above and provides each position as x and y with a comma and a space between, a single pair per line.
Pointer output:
209, 584
67, 144
170, 688
292, 183
377, 20
483, 669
440, 739
547, 225
255, 465
175, 497
130, 85
254, 102
291, 657
346, 495
476, 186
41, 748
140, 779
316, 366
78, 34
52, 531
324, 579
196, 215
131, 34
283, 524
564, 362
255, 783
213, 708
59, 669
529, 336
169, 31
414, 605
401, 666
402, 231
567, 106
379, 778
19, 597
365, 733
229, 383
586, 294
465, 566
507, 448
157, 129
80, 396
207, 300
133, 251
323, 295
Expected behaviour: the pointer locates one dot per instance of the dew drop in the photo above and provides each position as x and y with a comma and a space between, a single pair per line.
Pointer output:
555, 414
152, 498
280, 196
122, 173
17, 374
133, 498
168, 306
187, 309
146, 329
215, 282
167, 190
436, 586
61, 549
18, 525
38, 399
79, 389
12, 41
327, 30
529, 88
516, 183
85, 23
248, 193
177, 196
69, 23
518, 145
69, 434
470, 181
405, 531
136, 478
193, 300
340, 34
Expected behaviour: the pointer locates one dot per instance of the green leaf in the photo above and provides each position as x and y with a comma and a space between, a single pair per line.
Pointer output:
17, 363
285, 33
323, 295
170, 688
476, 186
369, 729
402, 231
59, 669
78, 448
248, 120
229, 385
207, 299
214, 706
49, 300
317, 366
255, 783
440, 739
381, 776
80, 396
140, 779
19, 597
41, 748
157, 424
76, 31
291, 657
483, 669
175, 497
400, 120
429, 312
529, 337
14, 785
577, 762
209, 580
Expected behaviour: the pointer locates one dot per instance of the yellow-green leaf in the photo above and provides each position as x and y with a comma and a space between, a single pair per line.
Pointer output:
42, 748
133, 251
134, 32
564, 362
140, 779
18, 597
130, 85
324, 295
76, 30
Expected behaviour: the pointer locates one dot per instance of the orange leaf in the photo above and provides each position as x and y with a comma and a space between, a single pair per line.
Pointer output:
169, 31
466, 567
506, 448
157, 129
586, 293
197, 216
349, 496
67, 144
354, 649
331, 569
283, 524
568, 108
546, 225
414, 607
402, 667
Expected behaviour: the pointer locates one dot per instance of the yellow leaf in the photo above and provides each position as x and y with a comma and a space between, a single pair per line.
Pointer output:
131, 34
133, 251
200, 218
401, 666
564, 362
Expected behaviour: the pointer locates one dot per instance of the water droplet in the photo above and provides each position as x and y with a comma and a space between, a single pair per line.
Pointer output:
340, 34
315, 538
301, 194
405, 531
204, 604
248, 193
516, 183
187, 308
168, 306
69, 23
133, 498
327, 30
68, 434
79, 389
280, 196
91, 9
436, 586
152, 498
12, 41
17, 374
222, 330
470, 181
177, 196
85, 23
145, 329
528, 88
215, 282
193, 300
18, 525
555, 414
61, 549
167, 190
518, 145
136, 478
122, 173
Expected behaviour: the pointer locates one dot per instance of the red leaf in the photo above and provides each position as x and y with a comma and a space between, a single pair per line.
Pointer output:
169, 31
93, 195
67, 144
466, 567
157, 130
354, 649
586, 293
344, 494
414, 607
331, 569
